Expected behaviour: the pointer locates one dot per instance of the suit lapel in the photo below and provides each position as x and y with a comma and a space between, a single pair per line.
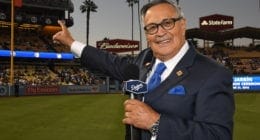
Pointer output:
177, 75
181, 69
145, 70
146, 64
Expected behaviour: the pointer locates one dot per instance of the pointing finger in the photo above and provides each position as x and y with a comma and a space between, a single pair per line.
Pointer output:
62, 24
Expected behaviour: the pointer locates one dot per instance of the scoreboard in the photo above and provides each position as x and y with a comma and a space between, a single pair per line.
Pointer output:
246, 83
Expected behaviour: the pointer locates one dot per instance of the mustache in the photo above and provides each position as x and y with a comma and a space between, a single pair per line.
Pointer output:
161, 38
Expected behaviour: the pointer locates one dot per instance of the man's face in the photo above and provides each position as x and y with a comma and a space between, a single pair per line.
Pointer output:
165, 43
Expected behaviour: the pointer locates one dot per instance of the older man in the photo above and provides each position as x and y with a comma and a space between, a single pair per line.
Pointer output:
193, 99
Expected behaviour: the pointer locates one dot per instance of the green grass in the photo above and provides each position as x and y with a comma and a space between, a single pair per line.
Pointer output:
94, 117
76, 117
247, 117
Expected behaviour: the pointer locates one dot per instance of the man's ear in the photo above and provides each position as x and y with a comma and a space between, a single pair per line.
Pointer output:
183, 25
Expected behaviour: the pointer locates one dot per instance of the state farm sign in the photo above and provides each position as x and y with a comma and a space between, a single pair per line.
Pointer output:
216, 22
118, 45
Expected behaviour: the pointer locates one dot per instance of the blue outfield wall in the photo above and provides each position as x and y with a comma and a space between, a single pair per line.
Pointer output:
6, 91
241, 84
50, 90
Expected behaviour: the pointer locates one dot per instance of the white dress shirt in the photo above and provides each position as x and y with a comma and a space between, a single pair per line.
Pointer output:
77, 48
170, 64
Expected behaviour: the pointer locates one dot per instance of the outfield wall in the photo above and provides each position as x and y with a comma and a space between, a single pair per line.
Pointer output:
6, 91
51, 90
241, 84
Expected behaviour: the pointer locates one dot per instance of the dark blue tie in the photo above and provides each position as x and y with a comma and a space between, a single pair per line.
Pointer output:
156, 77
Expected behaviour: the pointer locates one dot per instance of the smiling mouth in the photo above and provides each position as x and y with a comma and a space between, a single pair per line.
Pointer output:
166, 41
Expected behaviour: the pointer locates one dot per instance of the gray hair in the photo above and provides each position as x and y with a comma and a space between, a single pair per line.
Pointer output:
146, 7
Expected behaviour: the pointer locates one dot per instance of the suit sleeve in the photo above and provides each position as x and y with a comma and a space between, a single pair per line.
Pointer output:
105, 62
213, 113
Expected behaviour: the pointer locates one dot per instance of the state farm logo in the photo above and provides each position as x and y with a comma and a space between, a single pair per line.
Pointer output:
204, 23
216, 22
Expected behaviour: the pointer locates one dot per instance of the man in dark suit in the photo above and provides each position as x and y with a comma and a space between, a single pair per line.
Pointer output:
194, 100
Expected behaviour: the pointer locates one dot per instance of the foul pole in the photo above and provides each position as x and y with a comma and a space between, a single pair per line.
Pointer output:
12, 45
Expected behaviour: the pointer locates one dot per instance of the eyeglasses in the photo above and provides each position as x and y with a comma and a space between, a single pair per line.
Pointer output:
166, 24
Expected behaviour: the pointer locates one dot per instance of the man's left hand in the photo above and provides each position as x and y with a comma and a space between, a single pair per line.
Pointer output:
139, 114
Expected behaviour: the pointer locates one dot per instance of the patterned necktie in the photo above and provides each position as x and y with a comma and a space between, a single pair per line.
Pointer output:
156, 77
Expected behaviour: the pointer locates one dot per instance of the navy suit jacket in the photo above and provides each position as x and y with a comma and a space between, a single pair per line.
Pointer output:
203, 111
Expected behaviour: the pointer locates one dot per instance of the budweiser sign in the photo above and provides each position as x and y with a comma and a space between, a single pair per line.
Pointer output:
118, 45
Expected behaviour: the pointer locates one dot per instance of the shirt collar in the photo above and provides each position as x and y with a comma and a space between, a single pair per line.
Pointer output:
171, 63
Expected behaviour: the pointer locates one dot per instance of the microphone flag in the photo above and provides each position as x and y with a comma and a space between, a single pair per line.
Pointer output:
136, 87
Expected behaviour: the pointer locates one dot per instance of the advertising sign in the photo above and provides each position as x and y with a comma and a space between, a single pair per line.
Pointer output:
42, 90
118, 45
216, 22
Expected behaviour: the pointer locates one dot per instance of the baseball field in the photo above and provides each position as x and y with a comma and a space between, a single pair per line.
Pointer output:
94, 117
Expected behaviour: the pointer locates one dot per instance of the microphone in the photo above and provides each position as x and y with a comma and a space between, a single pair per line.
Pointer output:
136, 89
130, 71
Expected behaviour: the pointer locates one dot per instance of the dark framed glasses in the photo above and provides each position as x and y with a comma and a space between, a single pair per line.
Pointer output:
166, 24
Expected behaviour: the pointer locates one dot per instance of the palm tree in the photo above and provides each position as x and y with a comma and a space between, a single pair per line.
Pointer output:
88, 6
177, 2
140, 26
131, 4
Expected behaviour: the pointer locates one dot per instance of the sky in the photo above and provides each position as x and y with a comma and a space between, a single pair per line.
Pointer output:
113, 17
